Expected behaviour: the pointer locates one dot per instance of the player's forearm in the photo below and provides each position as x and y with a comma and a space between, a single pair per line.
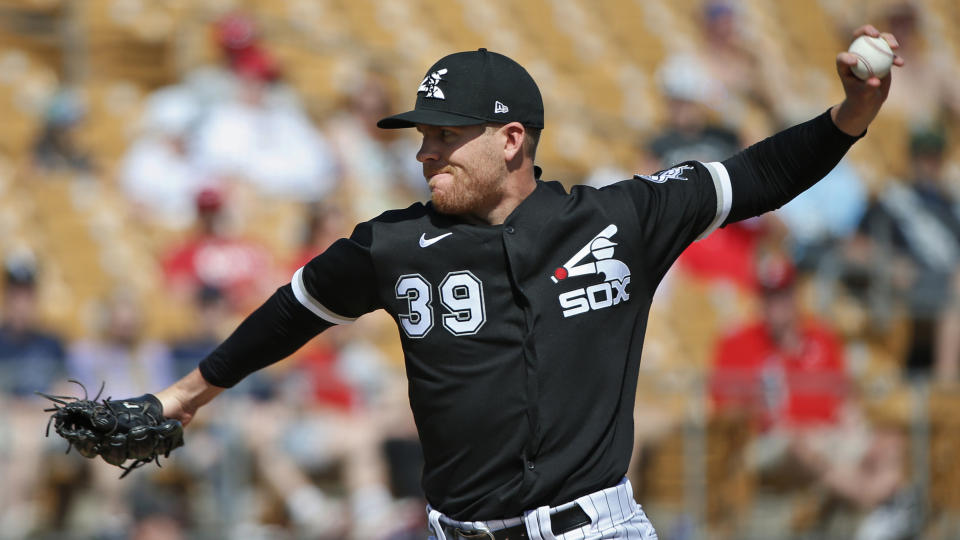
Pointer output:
770, 173
271, 333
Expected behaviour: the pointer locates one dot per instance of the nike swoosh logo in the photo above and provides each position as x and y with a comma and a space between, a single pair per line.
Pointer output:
424, 241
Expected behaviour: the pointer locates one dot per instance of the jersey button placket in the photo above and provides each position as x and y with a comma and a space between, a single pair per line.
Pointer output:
514, 245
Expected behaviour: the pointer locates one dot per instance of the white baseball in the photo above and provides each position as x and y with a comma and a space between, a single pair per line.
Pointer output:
874, 57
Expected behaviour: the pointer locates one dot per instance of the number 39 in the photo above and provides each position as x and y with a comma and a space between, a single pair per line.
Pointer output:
460, 292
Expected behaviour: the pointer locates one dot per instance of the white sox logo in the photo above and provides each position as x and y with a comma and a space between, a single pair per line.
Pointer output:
430, 84
675, 173
616, 276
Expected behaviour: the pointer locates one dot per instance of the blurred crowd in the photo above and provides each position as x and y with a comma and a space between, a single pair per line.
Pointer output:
795, 347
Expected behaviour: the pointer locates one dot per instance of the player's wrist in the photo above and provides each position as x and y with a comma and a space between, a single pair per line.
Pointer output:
182, 399
852, 119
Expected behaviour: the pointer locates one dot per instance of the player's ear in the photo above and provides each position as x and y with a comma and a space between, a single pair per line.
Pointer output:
513, 134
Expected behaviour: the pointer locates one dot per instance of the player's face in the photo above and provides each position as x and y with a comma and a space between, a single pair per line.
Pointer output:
464, 167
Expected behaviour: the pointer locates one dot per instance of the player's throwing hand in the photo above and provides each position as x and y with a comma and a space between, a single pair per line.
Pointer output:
863, 97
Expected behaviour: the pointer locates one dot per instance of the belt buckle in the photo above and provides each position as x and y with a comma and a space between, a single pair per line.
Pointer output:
477, 534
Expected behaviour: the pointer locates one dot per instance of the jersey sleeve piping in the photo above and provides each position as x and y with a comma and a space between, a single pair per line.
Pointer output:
308, 301
721, 181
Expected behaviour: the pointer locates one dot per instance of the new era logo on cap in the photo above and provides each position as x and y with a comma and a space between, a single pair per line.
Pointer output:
458, 91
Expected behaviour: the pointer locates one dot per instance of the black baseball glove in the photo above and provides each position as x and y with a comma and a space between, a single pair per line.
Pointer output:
116, 430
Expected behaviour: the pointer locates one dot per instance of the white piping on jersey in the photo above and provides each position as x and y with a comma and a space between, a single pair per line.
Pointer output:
311, 303
721, 181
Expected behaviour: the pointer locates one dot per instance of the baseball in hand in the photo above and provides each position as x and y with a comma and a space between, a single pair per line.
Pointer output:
874, 57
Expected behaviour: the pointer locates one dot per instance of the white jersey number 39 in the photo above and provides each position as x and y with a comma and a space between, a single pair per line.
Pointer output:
460, 292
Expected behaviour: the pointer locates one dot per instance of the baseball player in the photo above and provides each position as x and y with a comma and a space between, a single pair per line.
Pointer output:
522, 307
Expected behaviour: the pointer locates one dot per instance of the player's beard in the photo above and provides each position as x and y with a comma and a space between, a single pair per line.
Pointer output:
472, 194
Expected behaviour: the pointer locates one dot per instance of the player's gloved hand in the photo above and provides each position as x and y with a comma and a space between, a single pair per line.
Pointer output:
116, 430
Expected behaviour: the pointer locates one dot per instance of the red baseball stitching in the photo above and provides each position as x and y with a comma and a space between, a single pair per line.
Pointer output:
879, 48
865, 63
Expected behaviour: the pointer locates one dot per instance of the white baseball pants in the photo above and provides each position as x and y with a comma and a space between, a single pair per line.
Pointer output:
613, 515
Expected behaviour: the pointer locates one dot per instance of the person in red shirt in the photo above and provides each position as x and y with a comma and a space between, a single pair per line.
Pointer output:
784, 370
728, 256
785, 374
214, 257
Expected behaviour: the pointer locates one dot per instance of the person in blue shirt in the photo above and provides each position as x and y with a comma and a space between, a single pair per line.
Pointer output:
31, 358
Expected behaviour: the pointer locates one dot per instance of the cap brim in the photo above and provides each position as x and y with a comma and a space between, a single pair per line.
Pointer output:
429, 118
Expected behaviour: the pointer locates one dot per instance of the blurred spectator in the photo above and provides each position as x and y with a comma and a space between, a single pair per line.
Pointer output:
31, 359
786, 374
324, 225
689, 134
249, 134
918, 222
119, 353
739, 86
242, 53
275, 148
232, 121
376, 165
214, 256
727, 256
158, 172
729, 62
239, 40
924, 90
784, 370
825, 214
55, 149
876, 485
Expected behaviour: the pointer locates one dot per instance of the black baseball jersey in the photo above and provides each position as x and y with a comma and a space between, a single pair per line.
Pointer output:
522, 340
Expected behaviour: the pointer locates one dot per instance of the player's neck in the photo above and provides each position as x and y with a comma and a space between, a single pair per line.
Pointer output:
517, 187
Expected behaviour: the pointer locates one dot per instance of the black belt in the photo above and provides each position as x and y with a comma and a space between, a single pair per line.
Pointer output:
562, 522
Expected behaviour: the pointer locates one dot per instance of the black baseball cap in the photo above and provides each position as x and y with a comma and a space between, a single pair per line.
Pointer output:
473, 87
